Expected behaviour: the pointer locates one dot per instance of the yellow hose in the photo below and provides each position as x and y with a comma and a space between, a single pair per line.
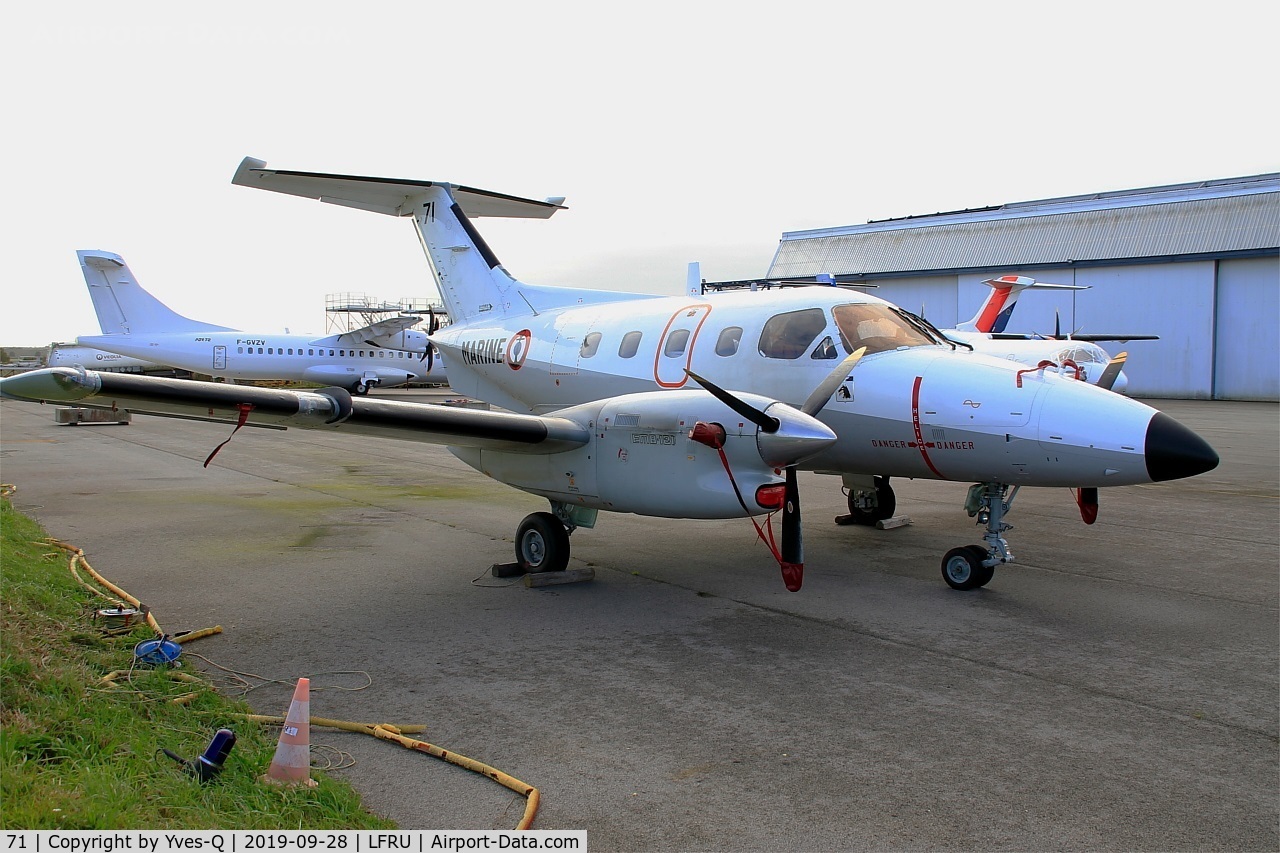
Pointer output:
386, 731
382, 731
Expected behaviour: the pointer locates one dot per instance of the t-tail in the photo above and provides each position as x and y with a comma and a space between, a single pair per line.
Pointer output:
473, 283
993, 316
123, 306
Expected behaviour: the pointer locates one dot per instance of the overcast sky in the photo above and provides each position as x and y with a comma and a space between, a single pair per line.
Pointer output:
677, 131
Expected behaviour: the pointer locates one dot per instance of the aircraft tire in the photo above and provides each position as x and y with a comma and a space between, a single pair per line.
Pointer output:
962, 568
360, 389
886, 505
542, 543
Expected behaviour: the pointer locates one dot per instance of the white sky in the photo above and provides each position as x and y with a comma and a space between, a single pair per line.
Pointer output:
678, 131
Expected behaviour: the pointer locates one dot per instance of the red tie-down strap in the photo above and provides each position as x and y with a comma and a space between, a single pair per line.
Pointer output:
713, 436
245, 409
1066, 363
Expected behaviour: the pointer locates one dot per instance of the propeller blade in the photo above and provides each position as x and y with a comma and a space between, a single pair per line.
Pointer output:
751, 413
433, 326
1112, 371
828, 386
1057, 325
792, 540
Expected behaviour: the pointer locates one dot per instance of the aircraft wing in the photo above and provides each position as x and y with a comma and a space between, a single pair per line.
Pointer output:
392, 196
380, 329
1006, 336
273, 408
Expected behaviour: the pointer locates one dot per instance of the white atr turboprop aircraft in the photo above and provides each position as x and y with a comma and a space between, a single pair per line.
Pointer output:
610, 409
1077, 356
136, 324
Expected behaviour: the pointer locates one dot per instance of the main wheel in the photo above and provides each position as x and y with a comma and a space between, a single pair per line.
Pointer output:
542, 543
962, 568
360, 388
886, 504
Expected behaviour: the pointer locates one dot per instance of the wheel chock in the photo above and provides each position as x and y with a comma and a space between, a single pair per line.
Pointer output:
893, 521
506, 570
535, 579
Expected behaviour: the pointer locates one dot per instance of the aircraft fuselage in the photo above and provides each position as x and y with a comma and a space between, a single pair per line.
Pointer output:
237, 355
912, 408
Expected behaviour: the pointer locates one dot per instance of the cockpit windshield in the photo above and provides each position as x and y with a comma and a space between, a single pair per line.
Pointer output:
880, 327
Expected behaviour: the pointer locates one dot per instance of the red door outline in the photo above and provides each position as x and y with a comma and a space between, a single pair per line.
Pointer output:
686, 312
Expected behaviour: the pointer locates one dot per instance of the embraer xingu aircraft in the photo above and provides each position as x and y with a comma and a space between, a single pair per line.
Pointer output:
137, 324
1076, 356
620, 402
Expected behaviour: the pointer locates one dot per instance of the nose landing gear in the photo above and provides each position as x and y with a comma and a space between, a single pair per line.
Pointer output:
973, 566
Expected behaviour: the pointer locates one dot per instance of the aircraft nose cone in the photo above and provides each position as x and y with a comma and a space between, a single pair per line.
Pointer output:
1173, 451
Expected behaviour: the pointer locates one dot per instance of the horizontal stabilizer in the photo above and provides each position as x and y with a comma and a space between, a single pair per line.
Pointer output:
392, 196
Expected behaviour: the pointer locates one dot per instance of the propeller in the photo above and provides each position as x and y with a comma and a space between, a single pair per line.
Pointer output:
433, 326
1112, 371
791, 553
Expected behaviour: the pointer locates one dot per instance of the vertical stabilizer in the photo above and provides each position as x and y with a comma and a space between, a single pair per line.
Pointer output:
993, 316
121, 304
995, 312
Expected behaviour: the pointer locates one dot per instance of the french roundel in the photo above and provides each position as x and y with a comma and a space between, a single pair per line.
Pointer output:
518, 348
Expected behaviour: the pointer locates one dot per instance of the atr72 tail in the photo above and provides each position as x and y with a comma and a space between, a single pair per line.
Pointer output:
123, 307
995, 312
473, 283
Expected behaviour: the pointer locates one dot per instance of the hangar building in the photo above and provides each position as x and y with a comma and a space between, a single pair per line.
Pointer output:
1197, 264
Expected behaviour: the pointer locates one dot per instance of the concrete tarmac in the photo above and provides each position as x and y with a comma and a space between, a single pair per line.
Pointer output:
1116, 689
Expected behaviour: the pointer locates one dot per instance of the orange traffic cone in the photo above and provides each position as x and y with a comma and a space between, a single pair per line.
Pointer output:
291, 764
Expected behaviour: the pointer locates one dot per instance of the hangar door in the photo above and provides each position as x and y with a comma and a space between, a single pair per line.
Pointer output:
1246, 339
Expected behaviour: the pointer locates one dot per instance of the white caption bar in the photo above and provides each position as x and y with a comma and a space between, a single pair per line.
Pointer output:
253, 841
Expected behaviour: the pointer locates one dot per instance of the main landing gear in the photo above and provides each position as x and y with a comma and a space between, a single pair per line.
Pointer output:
870, 501
363, 386
973, 566
542, 539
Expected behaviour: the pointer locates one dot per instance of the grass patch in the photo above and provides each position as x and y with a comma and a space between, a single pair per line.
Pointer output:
74, 755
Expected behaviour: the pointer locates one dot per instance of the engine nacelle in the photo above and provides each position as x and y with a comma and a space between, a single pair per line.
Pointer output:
641, 458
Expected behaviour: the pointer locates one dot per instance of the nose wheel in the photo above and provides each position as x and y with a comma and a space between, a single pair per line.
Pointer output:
964, 568
972, 566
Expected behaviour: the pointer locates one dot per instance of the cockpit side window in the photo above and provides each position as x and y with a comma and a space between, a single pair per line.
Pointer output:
877, 327
789, 335
826, 348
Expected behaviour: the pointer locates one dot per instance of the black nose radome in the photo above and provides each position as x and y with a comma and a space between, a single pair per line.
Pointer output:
1174, 451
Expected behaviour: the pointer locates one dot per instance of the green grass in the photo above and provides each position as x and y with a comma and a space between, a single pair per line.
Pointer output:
74, 755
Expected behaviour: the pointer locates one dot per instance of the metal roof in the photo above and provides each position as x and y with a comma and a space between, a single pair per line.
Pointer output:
1210, 218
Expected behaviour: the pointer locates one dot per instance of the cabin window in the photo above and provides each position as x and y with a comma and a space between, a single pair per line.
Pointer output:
826, 348
259, 350
630, 344
240, 350
330, 352
590, 344
789, 335
342, 353
311, 352
676, 343
727, 343
270, 351
876, 326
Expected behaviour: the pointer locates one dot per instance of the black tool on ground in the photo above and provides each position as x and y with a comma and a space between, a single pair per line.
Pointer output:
208, 765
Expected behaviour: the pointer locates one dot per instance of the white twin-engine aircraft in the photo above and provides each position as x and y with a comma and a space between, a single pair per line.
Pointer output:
617, 401
137, 324
1075, 355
